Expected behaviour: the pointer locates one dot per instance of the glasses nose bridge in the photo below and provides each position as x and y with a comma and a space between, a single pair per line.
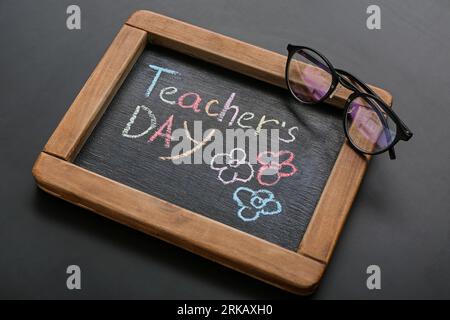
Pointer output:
346, 83
340, 82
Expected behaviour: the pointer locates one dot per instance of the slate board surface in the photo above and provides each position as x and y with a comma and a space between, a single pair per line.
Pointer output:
136, 163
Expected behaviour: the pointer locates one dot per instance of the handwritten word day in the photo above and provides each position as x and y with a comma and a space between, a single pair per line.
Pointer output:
233, 166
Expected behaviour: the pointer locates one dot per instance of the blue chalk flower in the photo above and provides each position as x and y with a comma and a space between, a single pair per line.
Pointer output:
254, 203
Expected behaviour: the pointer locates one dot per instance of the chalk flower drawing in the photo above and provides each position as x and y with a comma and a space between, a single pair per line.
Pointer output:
273, 169
232, 166
253, 203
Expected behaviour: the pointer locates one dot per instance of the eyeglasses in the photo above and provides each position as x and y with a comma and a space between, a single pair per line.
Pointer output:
370, 125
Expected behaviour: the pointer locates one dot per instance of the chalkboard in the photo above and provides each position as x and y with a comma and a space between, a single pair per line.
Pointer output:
166, 93
117, 149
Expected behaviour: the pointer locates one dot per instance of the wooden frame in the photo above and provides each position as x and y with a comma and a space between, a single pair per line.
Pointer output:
298, 272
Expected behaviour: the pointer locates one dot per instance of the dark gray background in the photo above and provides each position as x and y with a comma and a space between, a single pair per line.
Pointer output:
399, 221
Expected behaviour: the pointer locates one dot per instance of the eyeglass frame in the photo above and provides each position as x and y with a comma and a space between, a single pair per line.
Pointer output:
338, 77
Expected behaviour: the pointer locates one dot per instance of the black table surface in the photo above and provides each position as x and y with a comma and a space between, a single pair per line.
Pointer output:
399, 221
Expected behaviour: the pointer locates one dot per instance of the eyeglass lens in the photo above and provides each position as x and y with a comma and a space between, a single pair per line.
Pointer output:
309, 76
369, 128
